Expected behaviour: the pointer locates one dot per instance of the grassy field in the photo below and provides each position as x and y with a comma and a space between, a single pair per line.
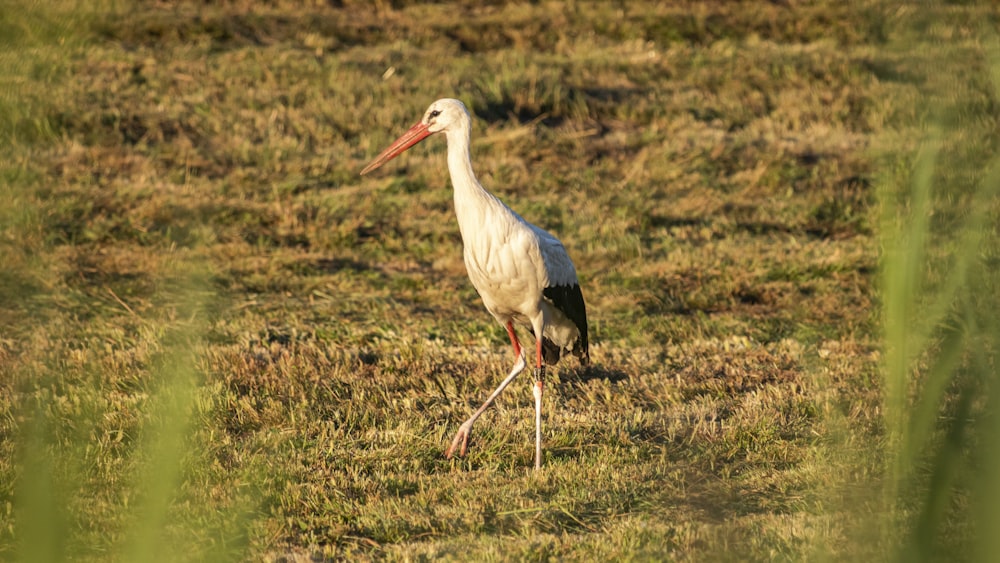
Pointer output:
217, 341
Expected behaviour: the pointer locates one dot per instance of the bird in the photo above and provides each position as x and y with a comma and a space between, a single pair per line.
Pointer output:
523, 274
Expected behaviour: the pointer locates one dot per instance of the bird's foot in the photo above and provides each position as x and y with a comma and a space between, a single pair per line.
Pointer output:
460, 442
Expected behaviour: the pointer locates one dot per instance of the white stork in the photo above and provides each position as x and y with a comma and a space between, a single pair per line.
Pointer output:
522, 273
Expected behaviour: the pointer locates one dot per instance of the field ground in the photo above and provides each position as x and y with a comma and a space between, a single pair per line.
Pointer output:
218, 341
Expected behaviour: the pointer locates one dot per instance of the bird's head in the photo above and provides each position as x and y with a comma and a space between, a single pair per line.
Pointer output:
445, 114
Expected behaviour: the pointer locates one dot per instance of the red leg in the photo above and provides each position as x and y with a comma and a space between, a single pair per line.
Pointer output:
538, 353
513, 338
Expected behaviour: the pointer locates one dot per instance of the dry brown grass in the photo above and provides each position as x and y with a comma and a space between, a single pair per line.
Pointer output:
186, 206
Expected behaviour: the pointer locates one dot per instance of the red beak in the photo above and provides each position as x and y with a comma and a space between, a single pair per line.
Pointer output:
415, 134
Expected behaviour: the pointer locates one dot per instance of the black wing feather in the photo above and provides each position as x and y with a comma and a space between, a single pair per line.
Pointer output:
569, 300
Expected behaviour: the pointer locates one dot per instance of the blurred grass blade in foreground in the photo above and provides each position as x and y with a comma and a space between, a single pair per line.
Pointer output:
941, 294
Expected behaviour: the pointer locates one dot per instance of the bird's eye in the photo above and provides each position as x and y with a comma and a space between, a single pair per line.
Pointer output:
435, 113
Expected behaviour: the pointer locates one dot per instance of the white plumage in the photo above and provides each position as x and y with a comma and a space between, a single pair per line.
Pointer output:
523, 274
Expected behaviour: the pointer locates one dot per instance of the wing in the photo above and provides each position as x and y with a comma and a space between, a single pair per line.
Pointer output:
562, 289
556, 277
559, 269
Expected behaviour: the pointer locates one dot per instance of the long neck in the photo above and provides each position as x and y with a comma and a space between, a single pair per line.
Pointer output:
473, 203
460, 160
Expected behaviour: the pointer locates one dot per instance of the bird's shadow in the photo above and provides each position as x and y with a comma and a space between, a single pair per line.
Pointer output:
583, 374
